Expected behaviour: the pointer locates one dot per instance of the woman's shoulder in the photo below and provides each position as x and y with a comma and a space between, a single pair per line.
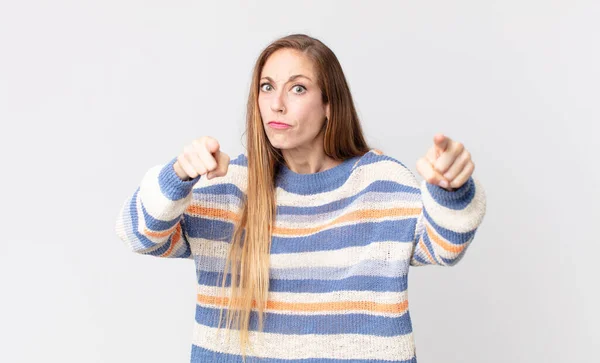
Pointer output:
240, 159
376, 158
377, 164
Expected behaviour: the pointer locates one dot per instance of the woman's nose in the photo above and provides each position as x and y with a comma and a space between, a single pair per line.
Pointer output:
277, 105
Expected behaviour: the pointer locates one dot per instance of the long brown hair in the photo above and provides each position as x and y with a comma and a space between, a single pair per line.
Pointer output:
249, 256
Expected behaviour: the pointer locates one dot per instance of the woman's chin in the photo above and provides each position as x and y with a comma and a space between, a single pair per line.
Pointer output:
277, 144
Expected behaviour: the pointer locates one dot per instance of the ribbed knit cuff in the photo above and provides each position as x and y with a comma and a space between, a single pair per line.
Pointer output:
457, 199
170, 184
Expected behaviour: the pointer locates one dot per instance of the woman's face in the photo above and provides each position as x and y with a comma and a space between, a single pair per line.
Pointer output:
289, 94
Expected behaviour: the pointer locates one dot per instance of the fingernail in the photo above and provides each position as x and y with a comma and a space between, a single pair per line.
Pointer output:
443, 184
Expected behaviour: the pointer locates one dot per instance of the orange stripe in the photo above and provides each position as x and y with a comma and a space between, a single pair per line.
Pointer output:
350, 217
437, 239
174, 240
423, 247
160, 234
212, 212
371, 306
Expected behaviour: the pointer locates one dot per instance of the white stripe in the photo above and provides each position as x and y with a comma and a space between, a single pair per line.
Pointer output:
462, 220
236, 175
304, 346
384, 297
361, 177
296, 221
343, 257
341, 224
155, 202
207, 247
337, 297
374, 200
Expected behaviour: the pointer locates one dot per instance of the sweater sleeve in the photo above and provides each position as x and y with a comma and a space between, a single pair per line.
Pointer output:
151, 220
447, 222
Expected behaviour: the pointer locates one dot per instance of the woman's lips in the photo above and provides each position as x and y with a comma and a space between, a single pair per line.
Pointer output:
279, 125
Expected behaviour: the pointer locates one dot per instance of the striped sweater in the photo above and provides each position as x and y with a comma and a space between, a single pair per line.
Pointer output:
343, 241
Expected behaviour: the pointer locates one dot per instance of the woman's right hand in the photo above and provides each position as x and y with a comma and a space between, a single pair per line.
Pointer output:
201, 157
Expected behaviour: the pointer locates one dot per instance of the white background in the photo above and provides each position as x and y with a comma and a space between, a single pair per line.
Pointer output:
94, 93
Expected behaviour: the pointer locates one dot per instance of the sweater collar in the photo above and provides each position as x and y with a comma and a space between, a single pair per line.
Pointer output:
314, 183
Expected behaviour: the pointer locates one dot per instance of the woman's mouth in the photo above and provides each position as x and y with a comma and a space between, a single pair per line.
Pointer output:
279, 125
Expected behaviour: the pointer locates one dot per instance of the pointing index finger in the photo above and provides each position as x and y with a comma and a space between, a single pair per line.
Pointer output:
441, 142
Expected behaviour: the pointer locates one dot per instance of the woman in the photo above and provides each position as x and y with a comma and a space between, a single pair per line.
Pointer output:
305, 241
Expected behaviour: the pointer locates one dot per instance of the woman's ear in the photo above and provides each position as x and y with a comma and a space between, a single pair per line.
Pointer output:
327, 111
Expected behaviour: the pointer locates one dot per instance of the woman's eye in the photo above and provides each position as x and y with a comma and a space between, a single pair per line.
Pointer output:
295, 88
299, 86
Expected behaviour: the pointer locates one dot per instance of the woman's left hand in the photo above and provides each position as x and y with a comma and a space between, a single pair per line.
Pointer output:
447, 161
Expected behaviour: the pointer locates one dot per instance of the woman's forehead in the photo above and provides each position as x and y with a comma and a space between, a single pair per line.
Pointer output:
284, 64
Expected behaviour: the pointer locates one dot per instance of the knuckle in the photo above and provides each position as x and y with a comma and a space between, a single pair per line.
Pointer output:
188, 150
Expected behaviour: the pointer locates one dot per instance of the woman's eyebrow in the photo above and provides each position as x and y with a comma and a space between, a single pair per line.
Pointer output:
291, 78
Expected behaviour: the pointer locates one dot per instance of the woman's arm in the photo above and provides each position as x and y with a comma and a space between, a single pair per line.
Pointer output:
447, 223
151, 221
